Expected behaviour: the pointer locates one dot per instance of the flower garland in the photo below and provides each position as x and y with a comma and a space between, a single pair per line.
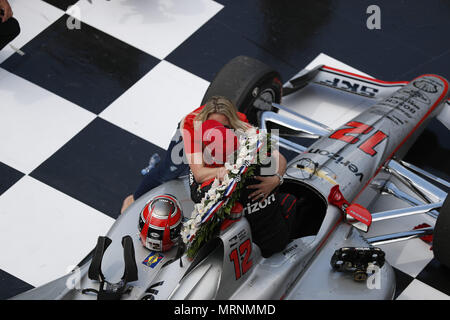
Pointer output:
205, 221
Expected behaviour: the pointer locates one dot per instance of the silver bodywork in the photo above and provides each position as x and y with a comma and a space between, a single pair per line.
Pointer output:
302, 270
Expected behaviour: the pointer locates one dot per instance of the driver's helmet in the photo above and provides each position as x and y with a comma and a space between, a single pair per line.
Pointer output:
160, 223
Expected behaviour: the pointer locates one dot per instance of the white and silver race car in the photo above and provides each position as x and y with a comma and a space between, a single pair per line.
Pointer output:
349, 133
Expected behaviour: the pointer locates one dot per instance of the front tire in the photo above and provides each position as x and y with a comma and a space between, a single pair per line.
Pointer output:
251, 85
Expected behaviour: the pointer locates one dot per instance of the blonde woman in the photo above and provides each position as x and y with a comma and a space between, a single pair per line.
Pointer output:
222, 110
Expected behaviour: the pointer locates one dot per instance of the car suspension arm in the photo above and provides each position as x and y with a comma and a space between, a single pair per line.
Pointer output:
400, 236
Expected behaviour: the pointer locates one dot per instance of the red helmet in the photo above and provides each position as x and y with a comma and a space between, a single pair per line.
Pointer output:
160, 223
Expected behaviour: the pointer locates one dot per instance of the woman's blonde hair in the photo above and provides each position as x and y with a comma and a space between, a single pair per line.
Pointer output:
222, 105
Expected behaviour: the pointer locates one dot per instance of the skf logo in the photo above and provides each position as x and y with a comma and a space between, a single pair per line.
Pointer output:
153, 259
426, 86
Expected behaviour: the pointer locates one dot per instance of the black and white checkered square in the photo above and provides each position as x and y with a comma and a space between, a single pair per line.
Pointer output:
87, 66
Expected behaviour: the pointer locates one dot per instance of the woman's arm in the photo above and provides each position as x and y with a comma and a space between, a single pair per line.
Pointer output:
202, 173
195, 158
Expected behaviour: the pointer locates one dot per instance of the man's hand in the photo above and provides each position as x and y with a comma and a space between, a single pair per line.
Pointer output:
7, 11
264, 188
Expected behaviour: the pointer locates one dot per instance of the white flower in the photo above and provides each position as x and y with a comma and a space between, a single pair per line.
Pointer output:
222, 186
188, 230
212, 194
251, 131
211, 191
188, 223
252, 142
248, 158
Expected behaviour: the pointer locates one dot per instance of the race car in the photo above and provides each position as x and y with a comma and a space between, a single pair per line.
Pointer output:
348, 134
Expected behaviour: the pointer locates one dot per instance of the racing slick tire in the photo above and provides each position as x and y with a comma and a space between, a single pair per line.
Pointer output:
250, 84
441, 235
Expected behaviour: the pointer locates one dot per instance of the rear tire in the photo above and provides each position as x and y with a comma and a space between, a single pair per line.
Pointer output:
441, 235
251, 85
